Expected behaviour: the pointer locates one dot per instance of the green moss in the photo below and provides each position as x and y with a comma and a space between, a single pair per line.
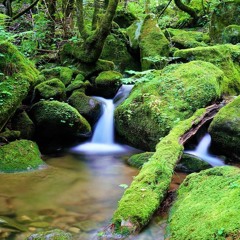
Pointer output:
9, 135
207, 206
77, 83
190, 163
115, 49
20, 155
55, 234
149, 187
225, 129
226, 57
231, 34
152, 44
223, 15
51, 89
186, 38
137, 160
22, 123
169, 96
55, 120
88, 107
107, 83
124, 18
20, 76
65, 74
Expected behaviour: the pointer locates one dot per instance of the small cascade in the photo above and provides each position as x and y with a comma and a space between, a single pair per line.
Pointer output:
102, 141
202, 152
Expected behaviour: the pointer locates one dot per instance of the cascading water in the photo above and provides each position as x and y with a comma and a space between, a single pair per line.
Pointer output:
102, 141
202, 152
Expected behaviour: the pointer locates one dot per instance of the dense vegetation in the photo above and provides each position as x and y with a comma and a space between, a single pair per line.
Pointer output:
183, 58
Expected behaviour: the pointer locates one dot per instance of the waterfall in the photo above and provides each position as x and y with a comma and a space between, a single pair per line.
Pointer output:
102, 141
202, 152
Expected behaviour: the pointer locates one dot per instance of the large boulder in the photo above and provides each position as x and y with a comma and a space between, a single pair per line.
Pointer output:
56, 120
20, 155
88, 107
224, 14
19, 76
231, 34
154, 46
51, 89
207, 206
167, 97
124, 18
225, 130
226, 57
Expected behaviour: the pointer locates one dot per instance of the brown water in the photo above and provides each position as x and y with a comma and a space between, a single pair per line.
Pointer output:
75, 193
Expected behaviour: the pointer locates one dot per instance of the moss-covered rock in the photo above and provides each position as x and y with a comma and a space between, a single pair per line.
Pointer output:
77, 83
19, 76
124, 18
231, 34
226, 57
115, 49
207, 206
65, 74
223, 15
88, 107
190, 163
22, 123
51, 89
107, 84
55, 234
55, 120
167, 97
225, 130
137, 160
20, 155
154, 46
9, 135
186, 38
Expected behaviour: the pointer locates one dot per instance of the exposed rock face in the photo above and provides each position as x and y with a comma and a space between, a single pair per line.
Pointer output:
166, 97
225, 130
55, 120
205, 203
225, 14
20, 155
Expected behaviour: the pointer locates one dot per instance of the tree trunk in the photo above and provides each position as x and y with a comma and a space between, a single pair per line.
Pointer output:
51, 5
149, 188
93, 44
187, 9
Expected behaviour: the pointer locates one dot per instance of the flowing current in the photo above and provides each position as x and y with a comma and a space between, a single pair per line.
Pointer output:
202, 152
102, 141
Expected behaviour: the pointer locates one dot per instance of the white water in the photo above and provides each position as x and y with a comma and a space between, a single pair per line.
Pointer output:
202, 152
102, 141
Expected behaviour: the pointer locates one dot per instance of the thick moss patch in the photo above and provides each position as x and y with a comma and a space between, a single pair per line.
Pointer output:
19, 76
225, 130
154, 46
226, 57
167, 97
51, 89
58, 120
20, 155
207, 206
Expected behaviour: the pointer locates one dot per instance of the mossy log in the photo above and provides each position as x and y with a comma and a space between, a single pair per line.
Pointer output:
149, 188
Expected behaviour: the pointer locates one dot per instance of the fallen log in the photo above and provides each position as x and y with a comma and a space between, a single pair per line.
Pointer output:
150, 186
18, 75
